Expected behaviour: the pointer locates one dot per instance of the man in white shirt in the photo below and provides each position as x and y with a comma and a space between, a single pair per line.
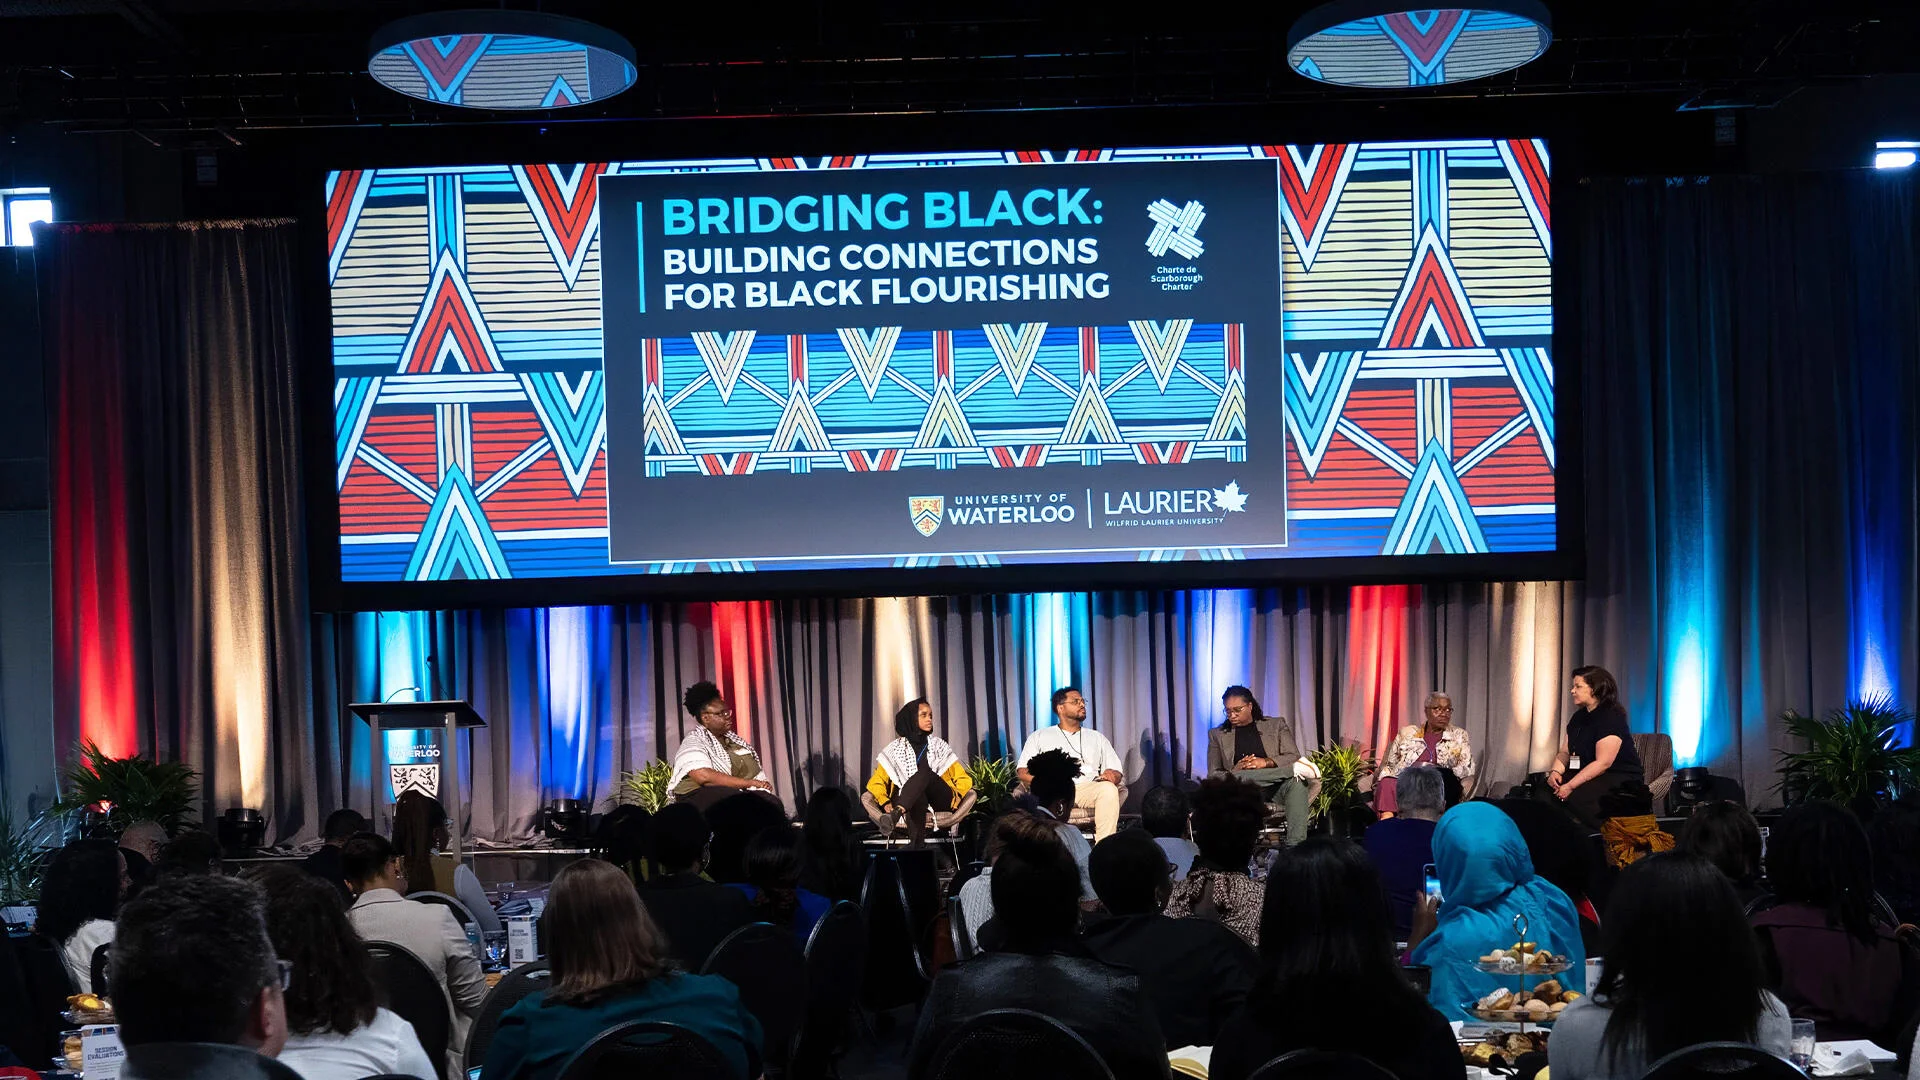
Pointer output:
1100, 775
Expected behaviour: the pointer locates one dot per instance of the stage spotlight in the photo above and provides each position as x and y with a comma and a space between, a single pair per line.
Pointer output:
565, 819
242, 830
1895, 154
1696, 784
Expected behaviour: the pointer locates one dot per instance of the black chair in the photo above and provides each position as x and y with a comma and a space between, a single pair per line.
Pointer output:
97, 977
513, 986
415, 996
766, 964
461, 913
896, 969
957, 924
1722, 1061
48, 987
836, 961
650, 1048
1321, 1065
1006, 1041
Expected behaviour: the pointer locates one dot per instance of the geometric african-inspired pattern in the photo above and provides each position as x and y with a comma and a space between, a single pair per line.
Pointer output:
470, 412
501, 71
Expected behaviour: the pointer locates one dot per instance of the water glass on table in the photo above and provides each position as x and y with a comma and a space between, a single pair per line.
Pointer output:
1800, 1049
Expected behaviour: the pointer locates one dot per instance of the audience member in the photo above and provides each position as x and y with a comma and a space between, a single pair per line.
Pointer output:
735, 820
1562, 853
773, 883
1043, 967
1673, 916
832, 864
1402, 845
1163, 813
194, 851
1894, 836
381, 912
79, 897
1831, 961
624, 835
1326, 946
1194, 971
611, 966
1725, 834
976, 893
693, 912
336, 1029
1486, 879
196, 985
139, 872
420, 830
146, 837
1053, 789
325, 863
1227, 815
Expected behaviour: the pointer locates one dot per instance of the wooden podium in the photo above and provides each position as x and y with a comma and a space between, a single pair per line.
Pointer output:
448, 716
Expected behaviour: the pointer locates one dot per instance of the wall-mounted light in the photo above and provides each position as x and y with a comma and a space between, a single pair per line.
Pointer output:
1895, 154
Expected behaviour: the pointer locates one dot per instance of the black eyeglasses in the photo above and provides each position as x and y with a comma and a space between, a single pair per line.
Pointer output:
286, 974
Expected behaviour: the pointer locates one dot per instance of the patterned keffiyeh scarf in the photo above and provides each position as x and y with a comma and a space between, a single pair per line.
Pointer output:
719, 757
899, 761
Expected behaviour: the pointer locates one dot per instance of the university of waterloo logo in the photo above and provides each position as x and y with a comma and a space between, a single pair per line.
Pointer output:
925, 510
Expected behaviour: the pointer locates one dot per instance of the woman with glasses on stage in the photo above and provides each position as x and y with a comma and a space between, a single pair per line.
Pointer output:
714, 762
1435, 742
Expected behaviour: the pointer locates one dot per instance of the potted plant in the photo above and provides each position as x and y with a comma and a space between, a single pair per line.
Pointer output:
1342, 767
131, 789
645, 787
1850, 756
24, 851
993, 781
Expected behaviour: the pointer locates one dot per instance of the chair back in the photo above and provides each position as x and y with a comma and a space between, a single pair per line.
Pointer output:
765, 962
1321, 1065
1006, 1041
48, 986
1722, 1061
415, 996
650, 1048
1655, 750
836, 958
506, 993
97, 969
896, 972
462, 913
957, 926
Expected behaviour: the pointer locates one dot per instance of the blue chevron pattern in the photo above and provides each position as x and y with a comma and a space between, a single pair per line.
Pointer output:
1435, 512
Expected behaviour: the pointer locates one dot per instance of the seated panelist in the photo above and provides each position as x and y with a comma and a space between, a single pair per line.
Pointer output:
917, 772
713, 762
1260, 750
1434, 742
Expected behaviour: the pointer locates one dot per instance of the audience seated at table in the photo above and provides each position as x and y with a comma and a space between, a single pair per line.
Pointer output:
610, 965
1563, 853
1726, 835
832, 863
1402, 846
196, 984
1163, 813
1486, 879
693, 913
1055, 784
1227, 815
1894, 834
1681, 968
79, 897
625, 834
336, 1029
773, 882
420, 830
736, 820
140, 844
1043, 965
381, 912
325, 862
1329, 979
1832, 961
1195, 971
193, 851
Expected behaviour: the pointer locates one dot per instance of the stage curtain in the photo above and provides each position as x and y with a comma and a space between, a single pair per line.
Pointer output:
180, 608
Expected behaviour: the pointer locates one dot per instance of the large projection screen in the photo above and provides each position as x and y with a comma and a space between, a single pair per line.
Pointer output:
1278, 357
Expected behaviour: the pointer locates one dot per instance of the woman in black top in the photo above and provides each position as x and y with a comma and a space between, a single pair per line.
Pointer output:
1597, 737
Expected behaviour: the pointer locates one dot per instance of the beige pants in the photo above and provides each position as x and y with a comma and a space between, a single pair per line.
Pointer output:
1104, 800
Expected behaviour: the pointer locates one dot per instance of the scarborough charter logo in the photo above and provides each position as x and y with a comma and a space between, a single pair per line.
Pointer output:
1176, 228
925, 510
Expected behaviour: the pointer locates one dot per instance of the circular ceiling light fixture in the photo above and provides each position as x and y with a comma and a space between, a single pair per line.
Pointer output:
1383, 45
512, 60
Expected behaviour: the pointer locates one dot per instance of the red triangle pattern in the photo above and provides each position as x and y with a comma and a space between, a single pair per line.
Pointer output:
443, 65
344, 189
448, 314
740, 464
1430, 289
569, 220
1310, 196
872, 460
1173, 453
1425, 45
1017, 457
1527, 156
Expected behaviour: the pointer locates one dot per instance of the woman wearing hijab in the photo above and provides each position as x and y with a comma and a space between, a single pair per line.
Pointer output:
917, 772
1486, 880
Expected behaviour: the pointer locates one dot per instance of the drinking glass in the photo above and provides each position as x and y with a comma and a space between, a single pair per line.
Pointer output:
1800, 1050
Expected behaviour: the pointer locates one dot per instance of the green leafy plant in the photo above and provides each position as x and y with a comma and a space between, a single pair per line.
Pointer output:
1850, 756
645, 787
23, 860
993, 781
1342, 768
131, 789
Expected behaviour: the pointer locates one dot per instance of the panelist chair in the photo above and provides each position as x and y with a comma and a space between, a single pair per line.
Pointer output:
1656, 763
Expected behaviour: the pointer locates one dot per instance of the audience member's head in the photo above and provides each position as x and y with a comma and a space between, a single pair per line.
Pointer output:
1672, 915
599, 936
139, 872
830, 844
1456, 791
194, 851
1894, 834
342, 824
192, 962
773, 860
145, 837
623, 834
86, 881
420, 826
1163, 812
1326, 933
1422, 792
1054, 774
1227, 815
368, 861
1725, 834
680, 838
332, 981
1130, 873
1818, 856
1036, 886
735, 820
1556, 845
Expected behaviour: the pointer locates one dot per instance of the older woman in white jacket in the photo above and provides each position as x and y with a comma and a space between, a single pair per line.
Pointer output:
1436, 742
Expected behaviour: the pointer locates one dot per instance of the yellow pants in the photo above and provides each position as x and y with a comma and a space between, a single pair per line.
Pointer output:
1104, 800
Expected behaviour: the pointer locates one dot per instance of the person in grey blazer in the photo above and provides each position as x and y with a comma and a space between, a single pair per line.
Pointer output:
381, 912
1260, 750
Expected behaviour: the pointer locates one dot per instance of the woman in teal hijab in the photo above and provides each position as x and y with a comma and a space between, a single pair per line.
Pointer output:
1487, 878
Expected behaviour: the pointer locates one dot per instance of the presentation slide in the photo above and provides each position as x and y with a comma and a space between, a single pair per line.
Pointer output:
975, 359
